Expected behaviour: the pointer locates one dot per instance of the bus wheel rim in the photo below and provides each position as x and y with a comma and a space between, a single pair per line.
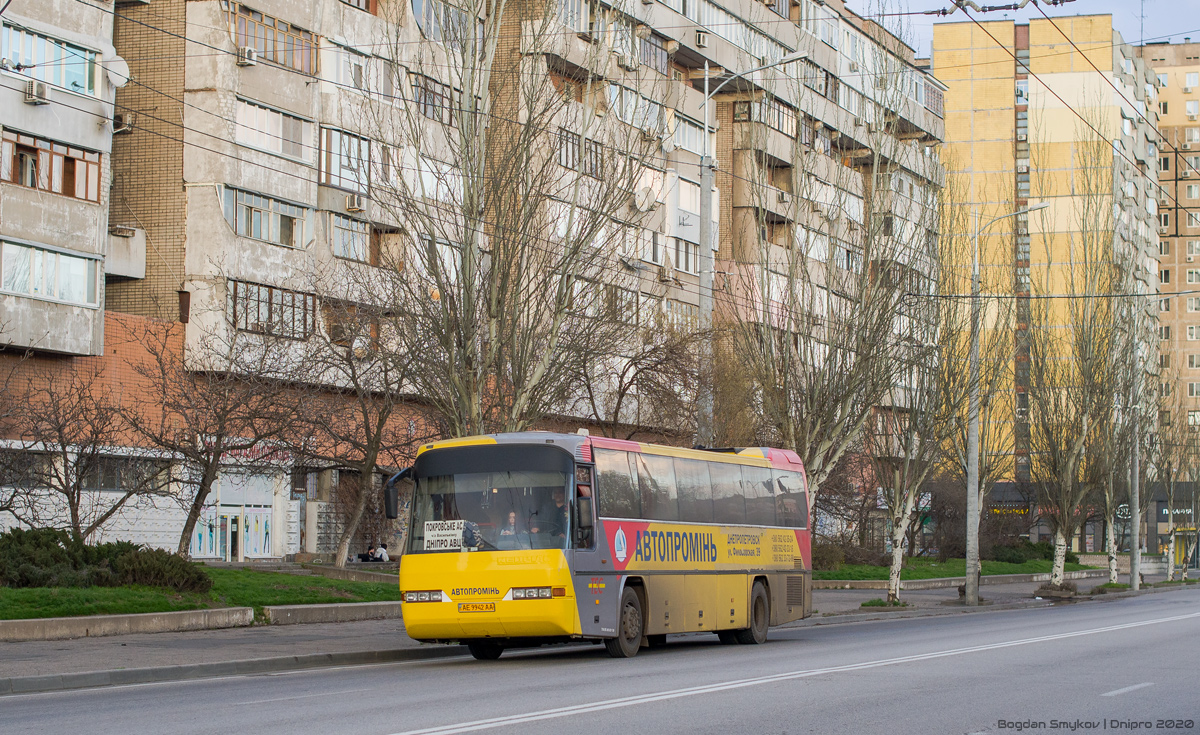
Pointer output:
629, 619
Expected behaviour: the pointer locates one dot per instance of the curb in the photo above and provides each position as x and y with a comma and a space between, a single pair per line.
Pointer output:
944, 582
89, 626
337, 612
244, 667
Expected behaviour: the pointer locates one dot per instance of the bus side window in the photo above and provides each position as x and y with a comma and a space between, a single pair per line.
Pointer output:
656, 478
790, 503
729, 505
760, 501
617, 488
695, 491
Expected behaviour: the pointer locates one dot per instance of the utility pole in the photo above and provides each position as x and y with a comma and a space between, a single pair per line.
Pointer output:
972, 583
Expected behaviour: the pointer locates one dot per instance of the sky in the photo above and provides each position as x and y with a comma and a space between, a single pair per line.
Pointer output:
1164, 19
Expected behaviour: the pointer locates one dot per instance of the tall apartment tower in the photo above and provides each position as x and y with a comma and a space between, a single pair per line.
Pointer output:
1062, 112
58, 76
1177, 68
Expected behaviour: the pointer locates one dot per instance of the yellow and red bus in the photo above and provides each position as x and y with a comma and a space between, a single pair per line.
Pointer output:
529, 538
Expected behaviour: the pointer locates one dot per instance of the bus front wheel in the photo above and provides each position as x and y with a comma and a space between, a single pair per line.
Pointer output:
760, 616
629, 634
485, 650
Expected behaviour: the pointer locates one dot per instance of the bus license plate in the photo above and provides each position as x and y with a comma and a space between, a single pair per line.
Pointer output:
465, 607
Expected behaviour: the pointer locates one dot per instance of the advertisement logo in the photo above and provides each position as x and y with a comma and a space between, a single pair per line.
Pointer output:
620, 550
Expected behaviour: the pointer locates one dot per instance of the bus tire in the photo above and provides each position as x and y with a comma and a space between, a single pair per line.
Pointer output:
629, 629
760, 616
485, 650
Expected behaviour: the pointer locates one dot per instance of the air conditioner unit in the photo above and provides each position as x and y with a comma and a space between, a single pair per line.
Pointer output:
247, 56
1193, 116
355, 203
859, 122
122, 122
1187, 174
1022, 230
1186, 146
1191, 258
1022, 169
628, 61
1022, 137
1162, 230
37, 93
1187, 90
701, 39
784, 197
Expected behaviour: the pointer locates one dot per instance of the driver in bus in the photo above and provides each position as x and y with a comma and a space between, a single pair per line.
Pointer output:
557, 517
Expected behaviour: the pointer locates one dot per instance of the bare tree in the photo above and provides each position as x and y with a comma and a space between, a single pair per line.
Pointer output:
818, 288
518, 207
72, 468
222, 397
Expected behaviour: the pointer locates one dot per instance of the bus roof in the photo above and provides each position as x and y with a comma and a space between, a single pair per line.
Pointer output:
580, 446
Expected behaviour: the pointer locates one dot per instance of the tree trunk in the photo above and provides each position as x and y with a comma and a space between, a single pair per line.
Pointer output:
1060, 557
202, 491
1110, 541
898, 534
366, 486
1187, 559
1171, 556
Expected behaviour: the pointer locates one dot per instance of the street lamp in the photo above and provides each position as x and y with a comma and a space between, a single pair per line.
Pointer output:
972, 583
704, 429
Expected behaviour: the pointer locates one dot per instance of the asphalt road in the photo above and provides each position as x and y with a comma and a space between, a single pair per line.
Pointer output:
1120, 666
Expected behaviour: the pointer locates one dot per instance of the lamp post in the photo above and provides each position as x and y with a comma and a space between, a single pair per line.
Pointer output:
972, 584
704, 428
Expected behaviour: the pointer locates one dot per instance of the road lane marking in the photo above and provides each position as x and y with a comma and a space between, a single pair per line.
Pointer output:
1126, 690
608, 704
306, 696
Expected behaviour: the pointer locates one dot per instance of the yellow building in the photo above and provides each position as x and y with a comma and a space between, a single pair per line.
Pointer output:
1060, 112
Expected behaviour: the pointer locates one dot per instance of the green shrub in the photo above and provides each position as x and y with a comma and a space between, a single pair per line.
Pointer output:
158, 568
878, 602
827, 557
1024, 551
45, 557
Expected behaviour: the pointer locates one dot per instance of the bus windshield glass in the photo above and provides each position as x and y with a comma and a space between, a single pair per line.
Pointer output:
490, 511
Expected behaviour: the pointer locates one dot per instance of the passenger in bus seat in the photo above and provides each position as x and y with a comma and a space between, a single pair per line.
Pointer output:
555, 521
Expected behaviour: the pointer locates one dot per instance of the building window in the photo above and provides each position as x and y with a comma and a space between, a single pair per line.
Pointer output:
1193, 275
273, 131
1164, 247
1192, 108
1193, 303
1193, 333
1193, 247
435, 100
351, 238
1193, 392
1164, 361
345, 160
47, 274
367, 5
1164, 331
687, 256
1192, 79
572, 152
1192, 135
1164, 276
442, 22
1164, 163
1193, 219
270, 310
275, 40
1164, 219
1193, 420
1162, 107
769, 111
49, 60
653, 52
1193, 361
1164, 304
263, 218
43, 164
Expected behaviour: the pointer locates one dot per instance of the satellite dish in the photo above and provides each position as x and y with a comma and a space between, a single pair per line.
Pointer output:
644, 199
668, 144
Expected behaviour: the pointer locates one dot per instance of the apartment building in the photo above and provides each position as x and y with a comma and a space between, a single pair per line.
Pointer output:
1177, 71
58, 76
1060, 112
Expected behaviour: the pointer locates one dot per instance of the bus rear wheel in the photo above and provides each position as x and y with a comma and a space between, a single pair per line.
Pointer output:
485, 650
629, 633
760, 616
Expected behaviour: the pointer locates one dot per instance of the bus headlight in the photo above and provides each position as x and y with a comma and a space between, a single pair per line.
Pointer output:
426, 596
531, 593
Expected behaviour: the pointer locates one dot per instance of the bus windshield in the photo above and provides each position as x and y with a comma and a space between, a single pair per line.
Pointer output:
489, 511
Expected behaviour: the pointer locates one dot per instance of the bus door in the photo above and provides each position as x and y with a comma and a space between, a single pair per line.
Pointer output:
596, 584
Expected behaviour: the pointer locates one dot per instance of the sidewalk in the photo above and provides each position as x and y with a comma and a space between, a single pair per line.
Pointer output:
258, 649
